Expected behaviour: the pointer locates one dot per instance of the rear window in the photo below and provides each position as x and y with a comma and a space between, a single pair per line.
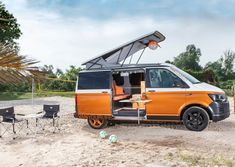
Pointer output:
94, 80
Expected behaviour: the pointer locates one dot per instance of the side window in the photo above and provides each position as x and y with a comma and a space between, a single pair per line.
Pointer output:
163, 78
154, 78
94, 80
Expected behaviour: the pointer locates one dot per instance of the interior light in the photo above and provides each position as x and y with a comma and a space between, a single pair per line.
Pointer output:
153, 45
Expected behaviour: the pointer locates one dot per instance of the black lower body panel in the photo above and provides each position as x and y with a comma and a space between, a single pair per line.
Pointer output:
220, 110
165, 118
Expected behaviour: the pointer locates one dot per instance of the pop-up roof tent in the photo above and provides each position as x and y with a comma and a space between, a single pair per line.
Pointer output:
118, 56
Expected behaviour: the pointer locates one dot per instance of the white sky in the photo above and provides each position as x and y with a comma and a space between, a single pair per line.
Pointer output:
63, 41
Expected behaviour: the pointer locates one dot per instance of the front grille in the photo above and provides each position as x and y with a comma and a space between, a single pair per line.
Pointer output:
223, 107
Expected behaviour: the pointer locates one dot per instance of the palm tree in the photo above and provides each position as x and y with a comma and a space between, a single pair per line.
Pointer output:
15, 68
2, 19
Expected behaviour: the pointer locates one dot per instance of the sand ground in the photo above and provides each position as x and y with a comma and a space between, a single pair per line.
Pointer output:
145, 145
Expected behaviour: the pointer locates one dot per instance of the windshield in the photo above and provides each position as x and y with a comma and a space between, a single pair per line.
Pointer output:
186, 75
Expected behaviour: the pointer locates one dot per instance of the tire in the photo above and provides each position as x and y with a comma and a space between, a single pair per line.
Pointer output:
97, 122
195, 119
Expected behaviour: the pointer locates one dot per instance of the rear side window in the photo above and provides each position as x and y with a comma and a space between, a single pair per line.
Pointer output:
94, 80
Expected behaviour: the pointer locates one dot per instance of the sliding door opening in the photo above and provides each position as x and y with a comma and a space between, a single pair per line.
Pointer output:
127, 85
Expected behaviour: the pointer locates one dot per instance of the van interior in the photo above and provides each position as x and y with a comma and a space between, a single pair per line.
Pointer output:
127, 85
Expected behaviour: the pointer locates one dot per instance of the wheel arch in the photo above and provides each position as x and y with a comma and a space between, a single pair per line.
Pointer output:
196, 105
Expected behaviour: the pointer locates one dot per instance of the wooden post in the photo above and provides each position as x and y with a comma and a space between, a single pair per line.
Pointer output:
39, 86
32, 91
234, 98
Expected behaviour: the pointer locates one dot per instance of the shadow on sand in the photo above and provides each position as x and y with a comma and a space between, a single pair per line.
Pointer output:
221, 126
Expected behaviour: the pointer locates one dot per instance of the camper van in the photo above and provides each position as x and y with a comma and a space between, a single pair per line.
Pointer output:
113, 88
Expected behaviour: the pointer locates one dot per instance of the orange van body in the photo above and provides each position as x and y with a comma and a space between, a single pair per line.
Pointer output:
98, 104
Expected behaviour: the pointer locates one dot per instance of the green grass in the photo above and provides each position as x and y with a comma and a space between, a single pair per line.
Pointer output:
27, 95
188, 158
49, 94
199, 160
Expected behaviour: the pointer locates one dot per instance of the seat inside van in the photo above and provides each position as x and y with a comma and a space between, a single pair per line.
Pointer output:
118, 92
126, 85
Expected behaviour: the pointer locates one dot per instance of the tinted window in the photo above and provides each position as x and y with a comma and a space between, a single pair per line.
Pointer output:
186, 75
136, 78
162, 78
94, 80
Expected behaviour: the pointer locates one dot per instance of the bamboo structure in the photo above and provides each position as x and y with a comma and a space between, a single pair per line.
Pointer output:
15, 68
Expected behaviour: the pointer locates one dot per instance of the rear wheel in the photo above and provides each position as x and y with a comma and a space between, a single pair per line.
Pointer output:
195, 119
97, 122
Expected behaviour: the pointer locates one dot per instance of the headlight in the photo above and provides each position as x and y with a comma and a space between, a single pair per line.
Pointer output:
218, 97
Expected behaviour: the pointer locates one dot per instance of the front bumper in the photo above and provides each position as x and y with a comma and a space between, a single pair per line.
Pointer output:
219, 110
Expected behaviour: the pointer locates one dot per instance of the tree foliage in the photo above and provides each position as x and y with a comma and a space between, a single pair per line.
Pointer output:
220, 72
9, 28
217, 69
228, 63
59, 80
189, 60
54, 80
224, 67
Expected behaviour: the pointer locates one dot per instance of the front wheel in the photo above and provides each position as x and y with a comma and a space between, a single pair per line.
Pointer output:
195, 119
97, 122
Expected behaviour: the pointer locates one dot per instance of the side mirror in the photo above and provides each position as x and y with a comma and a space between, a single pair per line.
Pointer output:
181, 84
184, 86
233, 90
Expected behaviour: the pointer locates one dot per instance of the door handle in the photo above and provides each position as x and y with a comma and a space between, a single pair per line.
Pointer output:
104, 92
151, 91
188, 94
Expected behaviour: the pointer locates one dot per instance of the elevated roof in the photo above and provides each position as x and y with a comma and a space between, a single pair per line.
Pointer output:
115, 56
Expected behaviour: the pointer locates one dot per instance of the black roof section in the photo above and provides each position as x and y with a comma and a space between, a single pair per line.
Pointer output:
116, 56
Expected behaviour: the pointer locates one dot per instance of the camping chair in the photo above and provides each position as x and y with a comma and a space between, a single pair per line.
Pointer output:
50, 114
9, 120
